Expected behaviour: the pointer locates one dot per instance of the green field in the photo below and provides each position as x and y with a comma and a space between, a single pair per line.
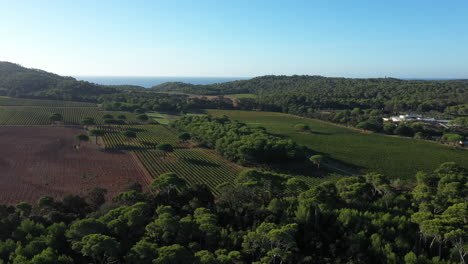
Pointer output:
162, 118
393, 156
195, 165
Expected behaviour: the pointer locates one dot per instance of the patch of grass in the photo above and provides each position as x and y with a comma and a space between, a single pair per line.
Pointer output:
162, 118
395, 157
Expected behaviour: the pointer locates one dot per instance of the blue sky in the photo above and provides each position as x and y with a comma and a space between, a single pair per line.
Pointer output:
350, 38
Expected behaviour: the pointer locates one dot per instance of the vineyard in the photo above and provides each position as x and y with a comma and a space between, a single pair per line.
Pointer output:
9, 101
36, 115
395, 157
195, 165
41, 160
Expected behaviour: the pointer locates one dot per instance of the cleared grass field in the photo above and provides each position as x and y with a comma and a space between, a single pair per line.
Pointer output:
195, 165
393, 156
162, 118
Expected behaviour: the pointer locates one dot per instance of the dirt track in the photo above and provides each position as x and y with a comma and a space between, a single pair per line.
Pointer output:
37, 161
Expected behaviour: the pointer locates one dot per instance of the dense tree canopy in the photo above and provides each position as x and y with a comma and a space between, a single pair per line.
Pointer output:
297, 94
261, 217
237, 141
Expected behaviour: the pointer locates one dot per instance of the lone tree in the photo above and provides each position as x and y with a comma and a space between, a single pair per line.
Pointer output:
165, 148
56, 117
184, 136
97, 133
317, 159
108, 116
302, 127
81, 137
129, 135
142, 117
88, 121
121, 117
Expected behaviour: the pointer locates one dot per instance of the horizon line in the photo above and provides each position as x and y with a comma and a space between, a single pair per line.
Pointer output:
250, 77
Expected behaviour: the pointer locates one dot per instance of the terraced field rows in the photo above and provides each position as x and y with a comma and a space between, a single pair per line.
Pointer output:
195, 165
9, 101
148, 136
35, 115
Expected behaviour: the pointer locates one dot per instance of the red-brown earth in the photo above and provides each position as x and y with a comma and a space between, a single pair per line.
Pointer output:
43, 160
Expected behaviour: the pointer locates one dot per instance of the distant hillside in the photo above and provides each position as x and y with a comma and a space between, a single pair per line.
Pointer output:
18, 81
299, 94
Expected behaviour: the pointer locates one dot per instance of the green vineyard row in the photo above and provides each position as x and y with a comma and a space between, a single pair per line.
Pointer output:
195, 165
32, 115
9, 101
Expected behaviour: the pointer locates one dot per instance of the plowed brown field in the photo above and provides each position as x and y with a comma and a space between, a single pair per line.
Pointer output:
42, 160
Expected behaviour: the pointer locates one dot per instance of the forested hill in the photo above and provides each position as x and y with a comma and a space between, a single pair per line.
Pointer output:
18, 81
338, 93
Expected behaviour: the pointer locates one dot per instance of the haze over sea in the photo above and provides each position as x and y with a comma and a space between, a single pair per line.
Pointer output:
148, 82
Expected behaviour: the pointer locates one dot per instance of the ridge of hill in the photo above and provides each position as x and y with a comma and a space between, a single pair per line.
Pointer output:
18, 81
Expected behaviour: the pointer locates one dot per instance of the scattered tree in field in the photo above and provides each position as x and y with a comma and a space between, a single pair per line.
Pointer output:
108, 116
97, 133
184, 136
121, 117
165, 148
56, 117
317, 159
142, 117
81, 137
129, 135
302, 127
88, 121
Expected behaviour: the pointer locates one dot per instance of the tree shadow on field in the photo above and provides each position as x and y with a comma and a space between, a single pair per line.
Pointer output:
113, 151
148, 144
134, 129
121, 147
319, 133
201, 163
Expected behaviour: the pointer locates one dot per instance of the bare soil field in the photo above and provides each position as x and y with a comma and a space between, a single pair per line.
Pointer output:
42, 160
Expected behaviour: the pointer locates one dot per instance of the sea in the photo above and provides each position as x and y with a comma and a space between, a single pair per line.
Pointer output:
148, 82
